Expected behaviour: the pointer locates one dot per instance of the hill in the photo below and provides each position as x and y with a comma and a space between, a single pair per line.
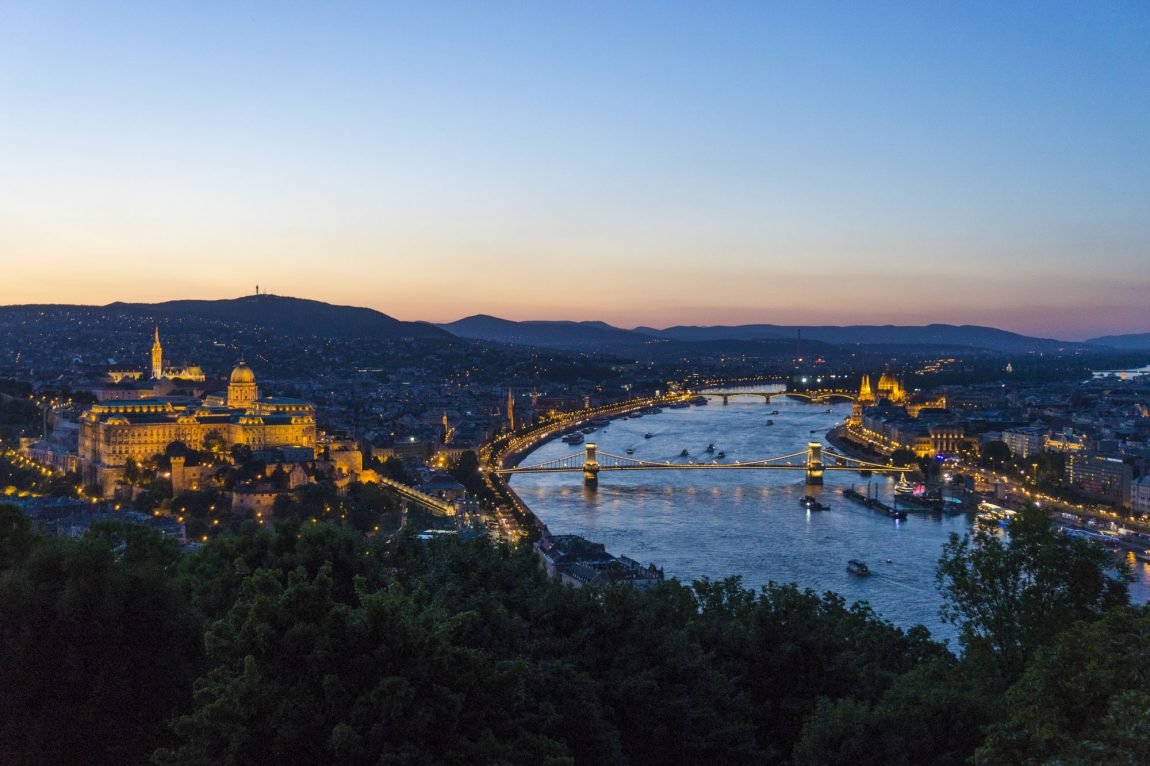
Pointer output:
598, 336
937, 335
1131, 342
571, 336
290, 316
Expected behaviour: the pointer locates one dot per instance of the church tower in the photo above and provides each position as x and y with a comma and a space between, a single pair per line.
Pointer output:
510, 410
157, 357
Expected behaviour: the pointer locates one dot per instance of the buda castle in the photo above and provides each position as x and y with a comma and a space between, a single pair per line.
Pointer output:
112, 432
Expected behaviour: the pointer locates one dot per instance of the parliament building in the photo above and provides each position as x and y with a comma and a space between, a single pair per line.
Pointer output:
111, 432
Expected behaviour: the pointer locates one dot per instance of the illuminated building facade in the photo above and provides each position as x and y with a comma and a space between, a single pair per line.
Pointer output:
885, 418
113, 432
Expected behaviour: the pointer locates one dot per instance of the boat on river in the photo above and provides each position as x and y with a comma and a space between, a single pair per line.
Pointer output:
811, 503
856, 567
770, 422
710, 448
648, 435
575, 438
684, 453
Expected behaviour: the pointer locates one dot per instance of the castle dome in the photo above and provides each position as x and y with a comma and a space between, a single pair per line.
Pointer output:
242, 374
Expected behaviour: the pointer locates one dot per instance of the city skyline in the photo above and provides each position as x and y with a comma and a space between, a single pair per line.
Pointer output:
650, 165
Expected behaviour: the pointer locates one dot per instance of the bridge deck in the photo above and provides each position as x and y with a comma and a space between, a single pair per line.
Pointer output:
433, 504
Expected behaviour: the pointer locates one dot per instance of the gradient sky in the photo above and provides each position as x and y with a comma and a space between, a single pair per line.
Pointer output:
641, 163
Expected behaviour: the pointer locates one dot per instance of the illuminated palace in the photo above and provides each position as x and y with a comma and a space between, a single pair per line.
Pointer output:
112, 432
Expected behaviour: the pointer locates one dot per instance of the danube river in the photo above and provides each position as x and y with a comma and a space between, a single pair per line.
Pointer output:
750, 523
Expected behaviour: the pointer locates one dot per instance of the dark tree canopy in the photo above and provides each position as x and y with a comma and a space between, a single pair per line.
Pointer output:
1010, 595
314, 643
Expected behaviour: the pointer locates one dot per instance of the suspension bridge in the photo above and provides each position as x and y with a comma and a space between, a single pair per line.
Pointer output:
813, 461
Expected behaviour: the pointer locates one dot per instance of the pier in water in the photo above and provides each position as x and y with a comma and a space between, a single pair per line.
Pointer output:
750, 523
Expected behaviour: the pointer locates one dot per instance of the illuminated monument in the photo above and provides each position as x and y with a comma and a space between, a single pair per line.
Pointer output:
113, 432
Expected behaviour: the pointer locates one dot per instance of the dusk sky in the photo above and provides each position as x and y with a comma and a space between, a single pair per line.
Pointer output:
641, 163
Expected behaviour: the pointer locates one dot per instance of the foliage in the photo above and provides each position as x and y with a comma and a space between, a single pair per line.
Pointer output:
1011, 595
18, 417
313, 643
932, 714
903, 457
97, 648
1083, 700
995, 454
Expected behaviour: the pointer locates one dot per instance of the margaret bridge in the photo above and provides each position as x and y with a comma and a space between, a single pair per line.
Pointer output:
812, 396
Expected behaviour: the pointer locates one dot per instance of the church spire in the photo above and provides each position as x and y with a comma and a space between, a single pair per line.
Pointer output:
157, 357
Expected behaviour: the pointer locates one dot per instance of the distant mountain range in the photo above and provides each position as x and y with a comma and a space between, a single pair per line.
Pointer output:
1133, 342
601, 336
301, 317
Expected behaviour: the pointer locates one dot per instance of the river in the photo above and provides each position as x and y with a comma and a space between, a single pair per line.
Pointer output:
750, 523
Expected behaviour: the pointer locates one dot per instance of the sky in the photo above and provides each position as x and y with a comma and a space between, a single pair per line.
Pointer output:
650, 163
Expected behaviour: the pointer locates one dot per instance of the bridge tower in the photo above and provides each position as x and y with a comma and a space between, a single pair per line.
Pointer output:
591, 466
814, 463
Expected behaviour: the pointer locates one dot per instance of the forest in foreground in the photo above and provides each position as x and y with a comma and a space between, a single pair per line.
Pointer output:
312, 644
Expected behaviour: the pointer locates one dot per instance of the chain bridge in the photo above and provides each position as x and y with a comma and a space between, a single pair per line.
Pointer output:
591, 462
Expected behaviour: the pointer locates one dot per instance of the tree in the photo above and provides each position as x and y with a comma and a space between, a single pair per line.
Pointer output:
903, 457
377, 680
15, 536
995, 454
1011, 595
394, 469
214, 442
932, 714
1082, 700
94, 633
241, 453
131, 471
